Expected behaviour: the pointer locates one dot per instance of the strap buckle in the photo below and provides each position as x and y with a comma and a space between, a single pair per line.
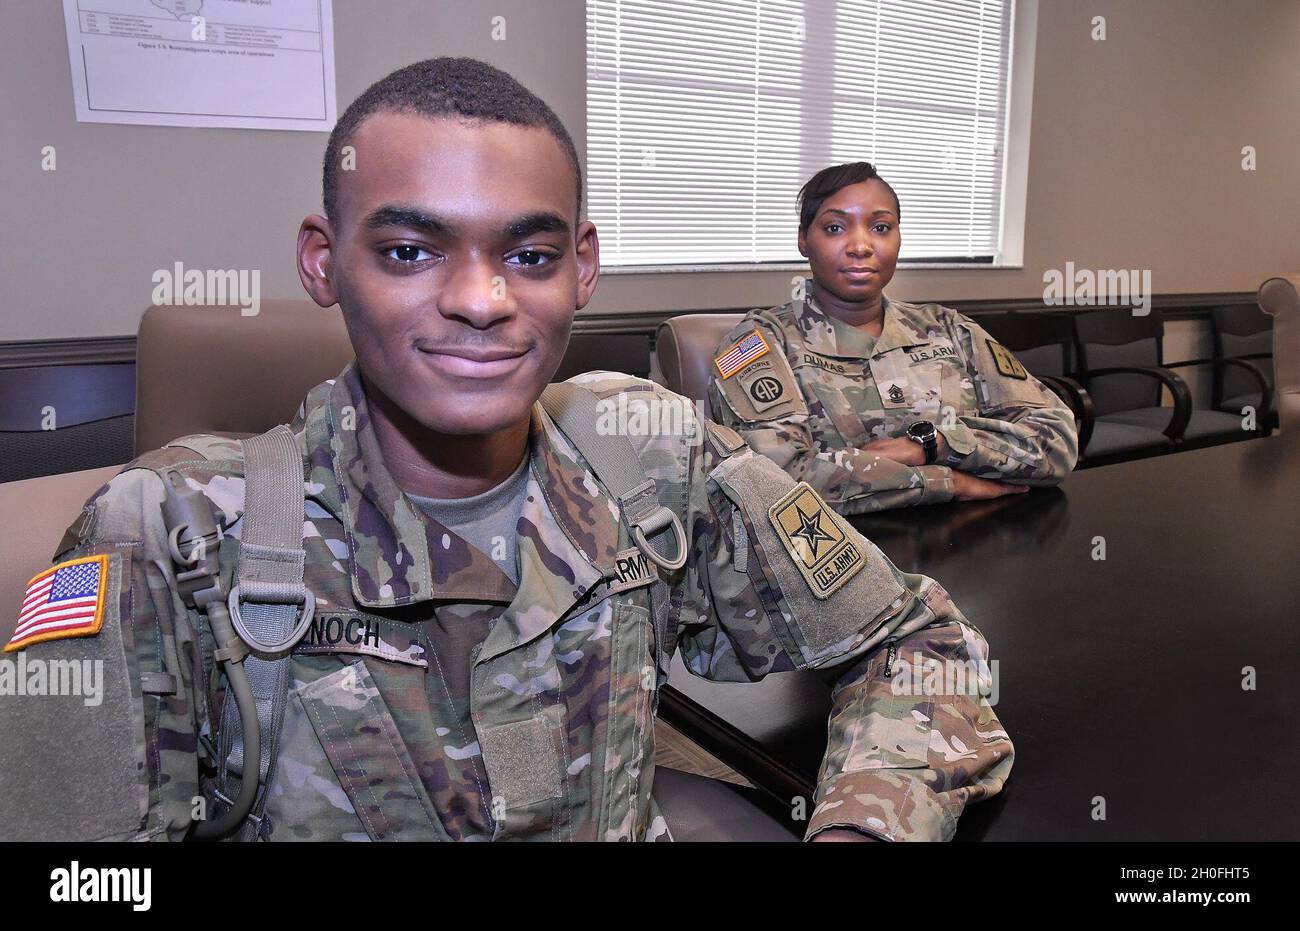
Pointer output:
256, 644
647, 517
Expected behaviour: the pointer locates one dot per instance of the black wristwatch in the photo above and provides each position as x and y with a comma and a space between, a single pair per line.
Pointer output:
923, 432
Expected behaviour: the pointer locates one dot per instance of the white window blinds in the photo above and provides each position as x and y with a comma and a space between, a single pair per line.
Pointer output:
704, 117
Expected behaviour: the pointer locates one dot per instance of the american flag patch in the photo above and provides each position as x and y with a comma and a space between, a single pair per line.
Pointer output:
66, 600
740, 355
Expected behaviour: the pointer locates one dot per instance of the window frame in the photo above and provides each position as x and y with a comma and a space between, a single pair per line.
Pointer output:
1015, 174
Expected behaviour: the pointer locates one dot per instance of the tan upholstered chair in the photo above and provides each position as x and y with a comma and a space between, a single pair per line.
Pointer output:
198, 370
685, 347
1280, 298
211, 370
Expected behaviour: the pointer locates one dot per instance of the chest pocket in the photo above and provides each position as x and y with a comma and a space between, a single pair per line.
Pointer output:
841, 397
345, 771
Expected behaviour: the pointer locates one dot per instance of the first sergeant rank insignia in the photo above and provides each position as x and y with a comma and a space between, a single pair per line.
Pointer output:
1007, 364
825, 555
896, 394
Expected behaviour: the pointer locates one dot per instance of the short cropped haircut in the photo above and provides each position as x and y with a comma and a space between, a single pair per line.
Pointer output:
829, 180
455, 88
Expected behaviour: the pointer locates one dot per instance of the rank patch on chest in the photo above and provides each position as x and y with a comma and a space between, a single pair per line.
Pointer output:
741, 354
825, 556
66, 600
1006, 363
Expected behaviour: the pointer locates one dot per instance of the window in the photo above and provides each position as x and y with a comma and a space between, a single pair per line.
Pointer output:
704, 117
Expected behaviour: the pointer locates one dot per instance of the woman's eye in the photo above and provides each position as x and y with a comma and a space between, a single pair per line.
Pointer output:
881, 228
834, 228
407, 254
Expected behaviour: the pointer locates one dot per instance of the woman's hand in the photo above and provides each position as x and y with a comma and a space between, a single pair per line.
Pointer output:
969, 488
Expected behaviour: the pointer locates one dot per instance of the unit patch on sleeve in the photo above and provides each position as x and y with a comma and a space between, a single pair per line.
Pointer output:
66, 600
741, 354
1007, 364
825, 556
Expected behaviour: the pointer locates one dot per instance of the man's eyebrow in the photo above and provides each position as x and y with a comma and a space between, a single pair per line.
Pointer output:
403, 216
541, 222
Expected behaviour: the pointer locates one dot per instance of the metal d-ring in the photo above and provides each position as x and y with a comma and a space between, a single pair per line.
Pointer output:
299, 631
676, 562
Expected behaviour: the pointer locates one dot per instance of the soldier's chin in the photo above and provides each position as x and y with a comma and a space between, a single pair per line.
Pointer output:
475, 414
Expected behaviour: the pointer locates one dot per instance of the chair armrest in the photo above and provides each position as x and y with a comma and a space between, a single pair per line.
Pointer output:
1079, 400
1254, 371
1177, 387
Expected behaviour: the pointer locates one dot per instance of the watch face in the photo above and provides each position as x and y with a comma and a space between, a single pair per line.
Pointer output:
921, 430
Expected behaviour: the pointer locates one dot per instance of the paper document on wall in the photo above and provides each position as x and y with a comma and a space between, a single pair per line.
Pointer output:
251, 64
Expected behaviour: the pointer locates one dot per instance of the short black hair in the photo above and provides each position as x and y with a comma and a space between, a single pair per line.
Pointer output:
829, 180
458, 88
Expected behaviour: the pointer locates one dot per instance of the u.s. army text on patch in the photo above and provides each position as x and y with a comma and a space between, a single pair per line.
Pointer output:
825, 556
1007, 364
66, 600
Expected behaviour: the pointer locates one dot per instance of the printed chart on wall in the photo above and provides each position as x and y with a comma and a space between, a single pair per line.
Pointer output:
252, 64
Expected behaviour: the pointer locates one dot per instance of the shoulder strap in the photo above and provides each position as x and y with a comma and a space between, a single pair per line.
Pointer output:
576, 411
264, 603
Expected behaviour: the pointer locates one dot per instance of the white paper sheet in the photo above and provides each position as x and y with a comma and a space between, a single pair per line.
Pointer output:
254, 64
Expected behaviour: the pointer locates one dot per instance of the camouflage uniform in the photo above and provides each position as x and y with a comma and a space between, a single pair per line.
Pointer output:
825, 389
555, 740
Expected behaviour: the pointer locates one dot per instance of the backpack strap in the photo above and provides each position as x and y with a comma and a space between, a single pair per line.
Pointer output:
576, 411
617, 466
263, 609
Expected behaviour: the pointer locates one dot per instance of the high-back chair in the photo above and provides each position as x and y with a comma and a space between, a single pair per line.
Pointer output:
685, 347
1119, 362
212, 370
1243, 360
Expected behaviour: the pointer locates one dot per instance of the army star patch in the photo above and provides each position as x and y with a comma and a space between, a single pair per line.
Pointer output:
66, 600
1007, 364
825, 556
741, 354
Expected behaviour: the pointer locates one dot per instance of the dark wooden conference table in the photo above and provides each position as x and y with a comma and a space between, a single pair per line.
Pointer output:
1119, 678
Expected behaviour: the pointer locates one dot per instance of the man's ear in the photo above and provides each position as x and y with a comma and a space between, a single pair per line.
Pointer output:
587, 255
316, 260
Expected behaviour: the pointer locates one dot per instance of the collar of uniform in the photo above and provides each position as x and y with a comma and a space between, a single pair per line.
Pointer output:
568, 537
399, 556
827, 335
895, 332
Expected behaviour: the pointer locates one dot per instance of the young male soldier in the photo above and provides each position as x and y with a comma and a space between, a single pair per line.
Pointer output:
492, 623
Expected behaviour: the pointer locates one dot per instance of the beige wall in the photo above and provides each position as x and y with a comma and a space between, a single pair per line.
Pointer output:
1134, 160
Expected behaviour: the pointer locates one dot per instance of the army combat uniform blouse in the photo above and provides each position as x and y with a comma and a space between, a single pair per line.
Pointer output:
550, 736
808, 391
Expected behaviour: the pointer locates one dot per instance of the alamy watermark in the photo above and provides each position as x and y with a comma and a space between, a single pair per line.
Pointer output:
194, 287
650, 415
925, 675
1123, 287
80, 677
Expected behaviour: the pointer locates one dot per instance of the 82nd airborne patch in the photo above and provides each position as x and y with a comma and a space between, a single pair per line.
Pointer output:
1007, 364
825, 556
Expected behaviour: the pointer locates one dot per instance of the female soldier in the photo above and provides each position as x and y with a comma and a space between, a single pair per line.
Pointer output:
878, 403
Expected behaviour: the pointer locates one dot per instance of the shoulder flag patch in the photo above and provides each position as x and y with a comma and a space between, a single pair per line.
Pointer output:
66, 600
1007, 364
824, 555
740, 355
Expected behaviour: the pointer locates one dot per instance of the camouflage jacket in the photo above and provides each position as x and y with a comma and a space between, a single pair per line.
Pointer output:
563, 690
823, 389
